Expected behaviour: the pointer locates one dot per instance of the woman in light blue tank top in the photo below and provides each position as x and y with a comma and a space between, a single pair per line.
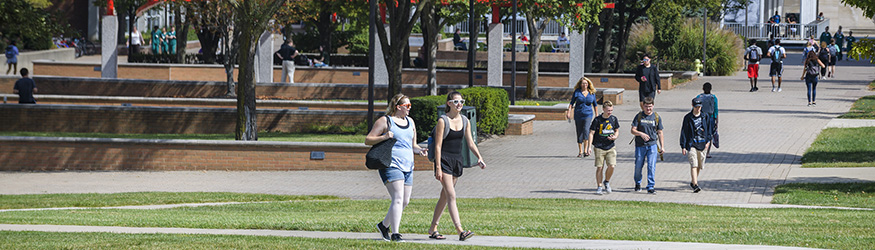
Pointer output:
398, 177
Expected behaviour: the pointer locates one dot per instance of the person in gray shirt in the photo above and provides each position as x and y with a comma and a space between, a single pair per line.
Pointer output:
647, 129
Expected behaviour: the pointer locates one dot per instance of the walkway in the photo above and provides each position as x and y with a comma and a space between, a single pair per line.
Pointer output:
763, 136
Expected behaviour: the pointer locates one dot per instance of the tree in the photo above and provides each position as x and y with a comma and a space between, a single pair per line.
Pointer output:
666, 19
205, 15
435, 16
574, 14
251, 20
864, 48
402, 15
29, 24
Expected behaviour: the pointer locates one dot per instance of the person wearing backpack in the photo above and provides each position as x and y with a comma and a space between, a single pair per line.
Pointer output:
753, 54
448, 162
833, 52
823, 56
777, 54
696, 135
839, 38
398, 177
709, 108
11, 58
809, 74
649, 143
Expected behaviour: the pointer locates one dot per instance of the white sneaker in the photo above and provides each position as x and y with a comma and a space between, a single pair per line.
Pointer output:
779, 89
599, 191
773, 89
608, 188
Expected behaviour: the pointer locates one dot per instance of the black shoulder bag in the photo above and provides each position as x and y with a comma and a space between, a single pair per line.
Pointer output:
380, 155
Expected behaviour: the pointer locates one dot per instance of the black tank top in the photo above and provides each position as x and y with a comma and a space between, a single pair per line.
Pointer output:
453, 143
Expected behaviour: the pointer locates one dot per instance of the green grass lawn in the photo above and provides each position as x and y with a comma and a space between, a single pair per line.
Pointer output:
863, 108
860, 195
551, 218
51, 240
262, 136
138, 198
842, 147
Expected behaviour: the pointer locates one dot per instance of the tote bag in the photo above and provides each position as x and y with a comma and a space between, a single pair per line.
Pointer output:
380, 155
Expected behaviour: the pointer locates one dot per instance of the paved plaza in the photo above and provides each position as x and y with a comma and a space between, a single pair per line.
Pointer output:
763, 136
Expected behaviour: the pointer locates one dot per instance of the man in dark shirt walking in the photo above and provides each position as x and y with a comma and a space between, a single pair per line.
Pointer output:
604, 130
649, 143
696, 131
25, 87
648, 80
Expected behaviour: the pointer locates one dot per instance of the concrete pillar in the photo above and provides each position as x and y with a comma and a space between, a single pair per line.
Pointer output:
109, 53
495, 70
575, 57
264, 58
381, 74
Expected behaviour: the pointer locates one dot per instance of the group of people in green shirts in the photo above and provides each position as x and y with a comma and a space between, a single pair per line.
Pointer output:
163, 42
838, 40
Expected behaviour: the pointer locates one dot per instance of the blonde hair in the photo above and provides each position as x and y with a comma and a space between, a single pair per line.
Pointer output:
589, 85
607, 104
390, 110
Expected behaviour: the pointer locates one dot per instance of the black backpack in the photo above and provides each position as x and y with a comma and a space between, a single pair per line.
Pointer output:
753, 56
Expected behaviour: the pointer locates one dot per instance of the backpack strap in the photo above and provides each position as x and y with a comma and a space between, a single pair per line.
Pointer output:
446, 125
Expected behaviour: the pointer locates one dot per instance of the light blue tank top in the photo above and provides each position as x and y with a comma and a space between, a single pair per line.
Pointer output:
402, 152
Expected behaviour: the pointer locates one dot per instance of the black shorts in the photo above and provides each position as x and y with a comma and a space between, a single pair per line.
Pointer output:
452, 165
832, 61
776, 69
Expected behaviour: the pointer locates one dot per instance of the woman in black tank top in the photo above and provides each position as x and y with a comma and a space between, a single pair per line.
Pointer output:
448, 169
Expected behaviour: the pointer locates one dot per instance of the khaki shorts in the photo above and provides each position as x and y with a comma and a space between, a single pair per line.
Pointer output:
602, 155
696, 158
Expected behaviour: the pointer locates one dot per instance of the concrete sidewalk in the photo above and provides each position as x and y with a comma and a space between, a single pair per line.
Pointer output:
493, 241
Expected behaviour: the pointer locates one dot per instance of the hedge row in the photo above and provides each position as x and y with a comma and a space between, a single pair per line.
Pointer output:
491, 105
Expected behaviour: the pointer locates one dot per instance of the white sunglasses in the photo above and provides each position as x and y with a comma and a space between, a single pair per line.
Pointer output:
458, 101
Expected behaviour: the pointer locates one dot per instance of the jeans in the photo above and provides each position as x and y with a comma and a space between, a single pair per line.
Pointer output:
811, 83
649, 153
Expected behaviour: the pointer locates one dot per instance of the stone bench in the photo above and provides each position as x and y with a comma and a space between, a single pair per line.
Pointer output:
519, 124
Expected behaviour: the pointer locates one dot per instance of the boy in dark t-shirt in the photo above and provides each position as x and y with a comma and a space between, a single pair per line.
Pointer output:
696, 132
647, 129
25, 87
604, 131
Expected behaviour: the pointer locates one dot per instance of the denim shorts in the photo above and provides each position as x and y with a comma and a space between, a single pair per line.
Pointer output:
391, 174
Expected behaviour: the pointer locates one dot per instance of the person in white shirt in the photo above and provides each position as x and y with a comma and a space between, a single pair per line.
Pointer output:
777, 54
136, 40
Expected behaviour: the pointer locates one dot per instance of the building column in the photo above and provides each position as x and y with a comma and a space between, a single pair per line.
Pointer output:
495, 67
264, 58
576, 56
109, 51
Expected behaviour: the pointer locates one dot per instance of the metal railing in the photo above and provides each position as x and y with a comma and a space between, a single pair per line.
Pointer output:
764, 31
553, 28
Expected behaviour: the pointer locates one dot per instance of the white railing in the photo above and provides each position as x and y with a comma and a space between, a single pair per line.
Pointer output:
553, 28
764, 31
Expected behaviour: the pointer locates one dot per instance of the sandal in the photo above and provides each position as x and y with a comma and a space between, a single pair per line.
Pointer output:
436, 236
465, 235
579, 155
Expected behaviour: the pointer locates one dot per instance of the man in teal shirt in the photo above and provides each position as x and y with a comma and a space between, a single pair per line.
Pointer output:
825, 37
840, 42
851, 40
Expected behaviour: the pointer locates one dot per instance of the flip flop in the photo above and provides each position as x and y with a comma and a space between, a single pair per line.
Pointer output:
465, 235
579, 155
436, 236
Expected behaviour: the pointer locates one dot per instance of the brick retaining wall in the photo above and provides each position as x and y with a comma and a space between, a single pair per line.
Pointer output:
161, 120
344, 75
94, 154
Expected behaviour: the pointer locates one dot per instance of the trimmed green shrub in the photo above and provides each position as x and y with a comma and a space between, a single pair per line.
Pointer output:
424, 114
492, 107
724, 49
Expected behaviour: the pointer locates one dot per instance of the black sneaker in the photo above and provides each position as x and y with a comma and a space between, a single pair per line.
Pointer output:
755, 89
751, 90
384, 231
692, 186
696, 189
397, 238
637, 187
651, 191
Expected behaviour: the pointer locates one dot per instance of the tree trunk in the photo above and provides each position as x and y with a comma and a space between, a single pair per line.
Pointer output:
592, 36
400, 23
535, 31
247, 124
607, 33
325, 29
430, 39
